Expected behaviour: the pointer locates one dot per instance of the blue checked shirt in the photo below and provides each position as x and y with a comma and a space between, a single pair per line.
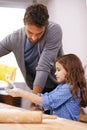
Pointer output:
61, 102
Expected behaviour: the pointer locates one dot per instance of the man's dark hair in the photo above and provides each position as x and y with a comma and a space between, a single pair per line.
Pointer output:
36, 14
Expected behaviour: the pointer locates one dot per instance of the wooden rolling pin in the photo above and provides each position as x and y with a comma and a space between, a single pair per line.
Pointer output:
20, 116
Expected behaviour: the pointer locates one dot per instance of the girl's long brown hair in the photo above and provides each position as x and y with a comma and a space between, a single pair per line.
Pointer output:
75, 76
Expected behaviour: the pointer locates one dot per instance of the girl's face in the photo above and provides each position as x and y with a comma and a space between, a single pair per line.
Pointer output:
60, 73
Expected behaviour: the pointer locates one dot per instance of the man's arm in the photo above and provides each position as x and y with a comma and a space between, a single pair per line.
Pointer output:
36, 89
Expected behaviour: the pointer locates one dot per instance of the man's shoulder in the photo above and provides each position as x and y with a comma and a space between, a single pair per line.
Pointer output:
20, 30
53, 24
54, 27
18, 33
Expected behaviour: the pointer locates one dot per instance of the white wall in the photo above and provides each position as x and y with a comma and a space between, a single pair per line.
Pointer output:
10, 20
72, 16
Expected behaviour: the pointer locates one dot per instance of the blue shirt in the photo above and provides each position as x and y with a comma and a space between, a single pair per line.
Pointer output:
61, 102
31, 56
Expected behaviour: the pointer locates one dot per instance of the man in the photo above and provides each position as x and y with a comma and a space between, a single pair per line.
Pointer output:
36, 47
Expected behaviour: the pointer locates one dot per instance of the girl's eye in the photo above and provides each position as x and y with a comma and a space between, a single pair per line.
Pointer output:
58, 70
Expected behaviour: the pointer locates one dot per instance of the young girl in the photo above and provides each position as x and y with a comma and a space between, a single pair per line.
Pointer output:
64, 101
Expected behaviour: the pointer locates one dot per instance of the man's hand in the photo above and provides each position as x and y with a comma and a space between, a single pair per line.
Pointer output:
33, 107
36, 89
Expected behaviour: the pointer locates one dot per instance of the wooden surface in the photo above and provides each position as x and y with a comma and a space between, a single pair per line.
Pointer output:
47, 124
83, 116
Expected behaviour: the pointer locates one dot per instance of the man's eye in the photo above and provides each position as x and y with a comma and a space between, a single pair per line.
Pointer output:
29, 32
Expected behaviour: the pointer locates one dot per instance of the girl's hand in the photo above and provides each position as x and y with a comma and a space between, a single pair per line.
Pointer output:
15, 92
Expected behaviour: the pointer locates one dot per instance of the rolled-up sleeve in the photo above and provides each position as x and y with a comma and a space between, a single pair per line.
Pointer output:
56, 98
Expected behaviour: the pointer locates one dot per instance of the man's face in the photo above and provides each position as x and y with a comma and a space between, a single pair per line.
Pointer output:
34, 33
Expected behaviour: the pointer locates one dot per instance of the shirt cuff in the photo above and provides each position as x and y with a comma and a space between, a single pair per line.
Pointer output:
45, 101
41, 78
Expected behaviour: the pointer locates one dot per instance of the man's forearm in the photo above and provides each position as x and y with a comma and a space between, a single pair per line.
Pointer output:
36, 89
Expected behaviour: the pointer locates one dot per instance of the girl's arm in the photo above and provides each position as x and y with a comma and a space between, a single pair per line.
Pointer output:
16, 92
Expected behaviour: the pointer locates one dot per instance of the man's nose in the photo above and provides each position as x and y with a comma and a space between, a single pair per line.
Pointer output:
34, 37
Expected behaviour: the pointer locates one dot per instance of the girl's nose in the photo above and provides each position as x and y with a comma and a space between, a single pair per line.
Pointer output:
55, 73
